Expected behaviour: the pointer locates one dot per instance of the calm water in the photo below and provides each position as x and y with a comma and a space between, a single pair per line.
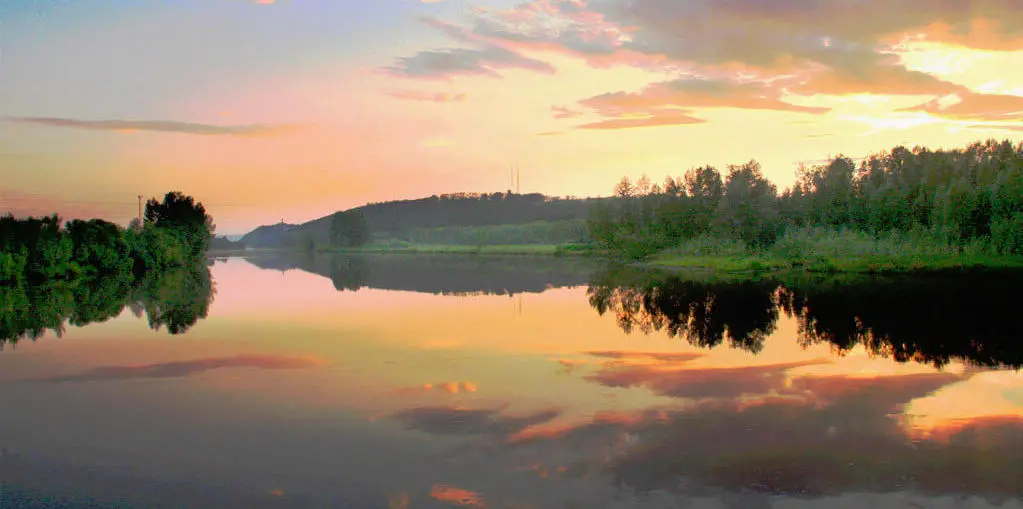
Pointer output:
440, 382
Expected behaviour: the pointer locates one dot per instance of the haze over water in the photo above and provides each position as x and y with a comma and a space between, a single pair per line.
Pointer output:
433, 382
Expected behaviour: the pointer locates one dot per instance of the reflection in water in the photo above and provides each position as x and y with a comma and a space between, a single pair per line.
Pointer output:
704, 314
186, 368
349, 274
436, 274
173, 298
294, 394
930, 320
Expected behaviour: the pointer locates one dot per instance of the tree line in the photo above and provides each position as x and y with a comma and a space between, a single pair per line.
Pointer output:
175, 232
964, 199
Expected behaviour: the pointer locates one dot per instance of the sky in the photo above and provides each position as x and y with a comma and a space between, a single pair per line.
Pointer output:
270, 110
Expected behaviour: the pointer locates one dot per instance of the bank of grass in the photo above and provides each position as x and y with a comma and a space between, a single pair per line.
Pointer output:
500, 249
828, 251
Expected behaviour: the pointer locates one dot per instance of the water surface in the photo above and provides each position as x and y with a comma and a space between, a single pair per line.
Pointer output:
433, 382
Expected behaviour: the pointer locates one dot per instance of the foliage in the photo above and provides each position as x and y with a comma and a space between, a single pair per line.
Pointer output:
902, 203
540, 232
181, 216
349, 229
176, 233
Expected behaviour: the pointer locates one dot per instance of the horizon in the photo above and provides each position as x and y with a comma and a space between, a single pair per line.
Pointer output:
297, 109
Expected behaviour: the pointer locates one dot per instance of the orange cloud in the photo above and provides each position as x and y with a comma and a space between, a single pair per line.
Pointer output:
457, 496
973, 106
446, 387
669, 103
689, 93
700, 383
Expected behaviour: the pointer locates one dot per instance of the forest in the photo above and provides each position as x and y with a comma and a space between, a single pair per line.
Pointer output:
963, 203
175, 232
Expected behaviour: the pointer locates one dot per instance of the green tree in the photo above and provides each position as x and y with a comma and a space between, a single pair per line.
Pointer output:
750, 205
182, 216
349, 229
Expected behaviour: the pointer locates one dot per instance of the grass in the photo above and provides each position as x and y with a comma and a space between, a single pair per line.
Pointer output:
834, 252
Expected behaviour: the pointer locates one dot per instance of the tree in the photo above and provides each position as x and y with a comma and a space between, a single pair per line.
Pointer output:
751, 204
349, 229
182, 216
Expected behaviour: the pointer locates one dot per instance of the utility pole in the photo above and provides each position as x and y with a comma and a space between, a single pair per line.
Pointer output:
140, 211
517, 190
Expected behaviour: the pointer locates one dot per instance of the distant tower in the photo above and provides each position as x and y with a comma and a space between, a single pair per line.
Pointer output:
140, 211
517, 190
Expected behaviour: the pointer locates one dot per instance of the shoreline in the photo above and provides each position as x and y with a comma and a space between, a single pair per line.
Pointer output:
755, 265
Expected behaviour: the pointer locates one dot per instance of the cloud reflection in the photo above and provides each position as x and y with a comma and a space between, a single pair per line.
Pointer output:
187, 368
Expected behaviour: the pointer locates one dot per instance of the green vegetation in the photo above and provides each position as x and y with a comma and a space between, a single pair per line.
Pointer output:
176, 233
898, 211
537, 232
347, 229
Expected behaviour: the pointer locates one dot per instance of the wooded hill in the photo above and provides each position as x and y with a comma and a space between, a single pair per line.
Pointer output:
402, 219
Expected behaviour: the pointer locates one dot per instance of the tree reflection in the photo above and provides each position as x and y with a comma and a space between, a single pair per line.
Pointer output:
931, 320
703, 313
174, 298
177, 299
349, 273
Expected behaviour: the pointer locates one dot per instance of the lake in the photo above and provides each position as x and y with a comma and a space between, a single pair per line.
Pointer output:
415, 382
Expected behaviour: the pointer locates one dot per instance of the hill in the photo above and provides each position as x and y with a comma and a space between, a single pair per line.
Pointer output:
407, 219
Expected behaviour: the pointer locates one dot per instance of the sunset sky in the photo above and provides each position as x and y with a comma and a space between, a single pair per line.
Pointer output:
292, 109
